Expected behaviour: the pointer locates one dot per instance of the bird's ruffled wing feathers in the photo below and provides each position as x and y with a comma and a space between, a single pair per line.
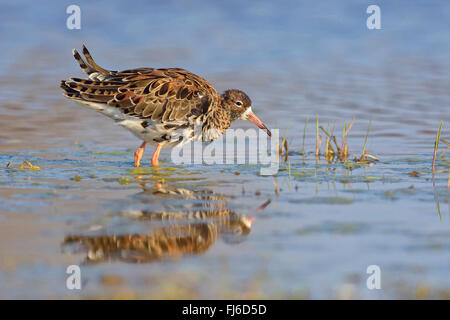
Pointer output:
147, 93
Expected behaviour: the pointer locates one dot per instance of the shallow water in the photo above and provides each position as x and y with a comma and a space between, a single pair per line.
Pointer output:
184, 231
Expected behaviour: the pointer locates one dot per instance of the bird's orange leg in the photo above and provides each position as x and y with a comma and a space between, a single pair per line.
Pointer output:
156, 156
138, 154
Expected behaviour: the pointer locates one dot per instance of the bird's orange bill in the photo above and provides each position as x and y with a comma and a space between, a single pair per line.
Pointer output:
253, 118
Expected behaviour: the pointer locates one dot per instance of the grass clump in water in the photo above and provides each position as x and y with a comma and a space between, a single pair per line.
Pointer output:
26, 165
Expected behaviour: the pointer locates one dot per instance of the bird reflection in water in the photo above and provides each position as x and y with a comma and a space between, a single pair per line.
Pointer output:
177, 233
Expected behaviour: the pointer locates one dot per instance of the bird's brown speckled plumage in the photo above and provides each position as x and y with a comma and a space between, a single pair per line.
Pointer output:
160, 106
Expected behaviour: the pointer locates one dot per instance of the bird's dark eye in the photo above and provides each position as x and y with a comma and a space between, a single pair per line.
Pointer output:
239, 103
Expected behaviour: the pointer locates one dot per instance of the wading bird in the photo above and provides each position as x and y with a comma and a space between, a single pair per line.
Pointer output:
160, 106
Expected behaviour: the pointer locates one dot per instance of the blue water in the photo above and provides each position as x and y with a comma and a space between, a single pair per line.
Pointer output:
296, 60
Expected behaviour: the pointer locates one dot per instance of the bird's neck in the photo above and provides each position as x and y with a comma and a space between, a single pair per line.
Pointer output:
217, 121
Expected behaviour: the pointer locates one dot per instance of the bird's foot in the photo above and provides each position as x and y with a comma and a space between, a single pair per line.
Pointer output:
138, 155
155, 157
155, 163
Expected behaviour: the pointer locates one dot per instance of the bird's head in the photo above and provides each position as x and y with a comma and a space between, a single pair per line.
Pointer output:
239, 106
